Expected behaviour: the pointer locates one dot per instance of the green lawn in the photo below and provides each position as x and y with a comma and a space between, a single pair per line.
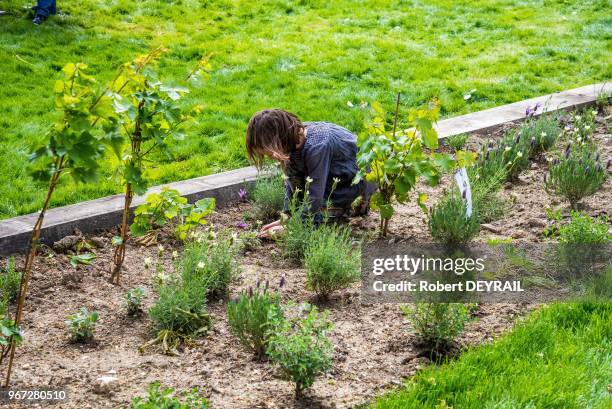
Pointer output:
310, 57
561, 357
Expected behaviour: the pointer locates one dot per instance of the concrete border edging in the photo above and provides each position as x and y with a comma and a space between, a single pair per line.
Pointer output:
105, 213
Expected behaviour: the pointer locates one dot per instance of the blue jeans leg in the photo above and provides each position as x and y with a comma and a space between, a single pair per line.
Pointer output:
45, 7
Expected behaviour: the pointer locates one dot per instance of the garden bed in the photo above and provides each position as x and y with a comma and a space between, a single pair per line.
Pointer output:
374, 347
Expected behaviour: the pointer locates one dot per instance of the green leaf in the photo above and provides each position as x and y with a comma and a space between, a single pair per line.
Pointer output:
421, 201
386, 211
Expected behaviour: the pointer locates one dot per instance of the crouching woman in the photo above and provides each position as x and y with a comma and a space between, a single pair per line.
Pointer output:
319, 155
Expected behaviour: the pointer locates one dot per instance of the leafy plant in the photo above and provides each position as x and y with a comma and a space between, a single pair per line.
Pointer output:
437, 324
299, 345
147, 119
73, 146
576, 175
332, 263
251, 317
248, 240
268, 197
298, 228
10, 335
164, 398
84, 258
397, 159
210, 261
82, 324
449, 223
456, 142
133, 300
583, 229
581, 125
169, 206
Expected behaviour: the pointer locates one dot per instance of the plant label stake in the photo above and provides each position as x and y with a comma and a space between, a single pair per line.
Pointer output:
463, 182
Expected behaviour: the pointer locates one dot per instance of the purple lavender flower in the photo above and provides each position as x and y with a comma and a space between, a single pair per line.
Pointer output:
242, 194
250, 292
555, 162
518, 138
488, 154
282, 281
242, 224
568, 149
529, 112
545, 176
608, 165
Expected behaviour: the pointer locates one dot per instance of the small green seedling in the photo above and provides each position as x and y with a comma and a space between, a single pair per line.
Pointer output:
133, 301
82, 324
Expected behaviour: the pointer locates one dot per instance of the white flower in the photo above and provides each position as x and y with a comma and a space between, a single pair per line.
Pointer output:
160, 247
519, 154
579, 139
507, 149
308, 179
148, 262
577, 117
543, 134
174, 255
200, 265
587, 127
336, 180
594, 112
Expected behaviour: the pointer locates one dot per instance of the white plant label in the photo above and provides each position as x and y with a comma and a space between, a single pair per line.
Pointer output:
463, 182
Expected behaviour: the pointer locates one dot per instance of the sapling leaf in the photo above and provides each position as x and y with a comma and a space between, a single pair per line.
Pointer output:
85, 258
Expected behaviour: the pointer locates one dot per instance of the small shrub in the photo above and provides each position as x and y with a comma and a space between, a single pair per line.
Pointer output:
457, 142
298, 229
164, 398
133, 300
180, 315
211, 262
300, 347
10, 281
449, 224
437, 324
82, 324
542, 133
578, 174
516, 149
251, 318
583, 229
331, 261
268, 198
248, 241
490, 169
581, 125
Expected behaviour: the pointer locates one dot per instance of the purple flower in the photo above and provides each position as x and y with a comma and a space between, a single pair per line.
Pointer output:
518, 138
529, 112
242, 194
545, 176
488, 154
568, 150
242, 224
608, 165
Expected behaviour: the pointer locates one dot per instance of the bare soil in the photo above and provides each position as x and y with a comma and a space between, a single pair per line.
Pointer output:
374, 348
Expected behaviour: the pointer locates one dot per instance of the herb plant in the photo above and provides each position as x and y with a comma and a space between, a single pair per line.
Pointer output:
332, 263
268, 197
449, 224
165, 398
583, 229
133, 301
577, 174
82, 324
251, 317
299, 345
456, 142
437, 325
10, 280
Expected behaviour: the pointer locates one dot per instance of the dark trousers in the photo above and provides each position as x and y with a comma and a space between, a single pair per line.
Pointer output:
45, 7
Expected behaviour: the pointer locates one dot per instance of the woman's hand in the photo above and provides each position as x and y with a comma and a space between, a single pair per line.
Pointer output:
269, 230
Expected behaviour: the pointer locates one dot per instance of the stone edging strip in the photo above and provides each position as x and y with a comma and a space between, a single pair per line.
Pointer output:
105, 212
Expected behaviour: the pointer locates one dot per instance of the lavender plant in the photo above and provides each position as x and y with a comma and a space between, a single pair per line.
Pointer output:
252, 315
332, 262
449, 224
578, 173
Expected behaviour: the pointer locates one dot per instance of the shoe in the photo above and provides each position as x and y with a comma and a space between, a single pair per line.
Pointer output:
38, 20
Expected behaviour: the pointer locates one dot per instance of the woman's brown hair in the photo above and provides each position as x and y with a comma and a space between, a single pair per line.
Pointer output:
273, 131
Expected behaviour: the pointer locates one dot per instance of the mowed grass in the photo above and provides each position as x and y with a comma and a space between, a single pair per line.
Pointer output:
309, 57
561, 357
